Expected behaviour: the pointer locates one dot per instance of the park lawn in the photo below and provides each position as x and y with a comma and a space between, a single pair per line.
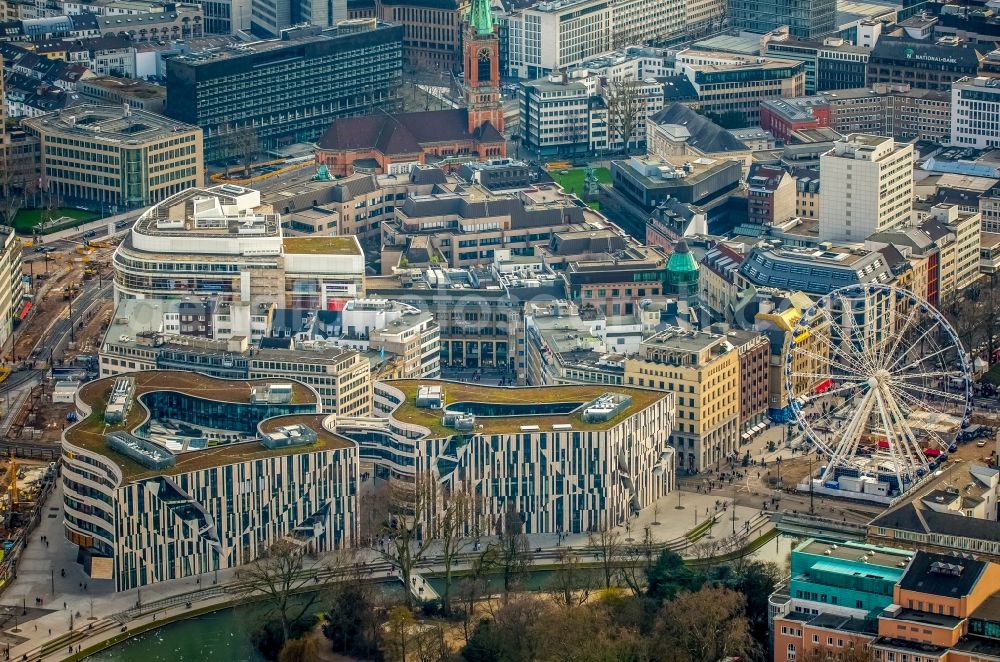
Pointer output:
27, 219
572, 181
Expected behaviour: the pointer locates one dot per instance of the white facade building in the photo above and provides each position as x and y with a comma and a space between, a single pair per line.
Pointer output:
567, 113
566, 459
867, 184
551, 36
223, 241
975, 113
256, 464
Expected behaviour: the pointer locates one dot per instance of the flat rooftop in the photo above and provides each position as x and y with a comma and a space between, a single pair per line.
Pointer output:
89, 433
408, 412
220, 211
848, 551
341, 245
109, 124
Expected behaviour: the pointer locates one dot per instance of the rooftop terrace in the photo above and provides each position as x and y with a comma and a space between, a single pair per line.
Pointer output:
89, 433
454, 392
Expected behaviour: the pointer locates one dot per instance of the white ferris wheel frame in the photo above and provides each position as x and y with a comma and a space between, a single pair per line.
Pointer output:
889, 389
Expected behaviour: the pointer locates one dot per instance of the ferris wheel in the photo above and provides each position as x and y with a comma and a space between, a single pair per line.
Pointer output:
878, 383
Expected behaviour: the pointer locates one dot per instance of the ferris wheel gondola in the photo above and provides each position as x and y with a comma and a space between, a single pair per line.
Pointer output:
877, 381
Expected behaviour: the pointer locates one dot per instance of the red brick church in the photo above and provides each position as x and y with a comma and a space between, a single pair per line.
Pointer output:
392, 143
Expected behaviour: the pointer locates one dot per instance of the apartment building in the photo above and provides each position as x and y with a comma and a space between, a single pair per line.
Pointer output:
730, 83
257, 464
552, 455
867, 187
770, 196
224, 241
116, 156
702, 370
286, 90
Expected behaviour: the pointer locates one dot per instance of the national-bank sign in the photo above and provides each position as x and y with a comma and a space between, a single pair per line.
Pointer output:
913, 55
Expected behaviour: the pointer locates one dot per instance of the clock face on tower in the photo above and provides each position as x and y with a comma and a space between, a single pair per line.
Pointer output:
484, 70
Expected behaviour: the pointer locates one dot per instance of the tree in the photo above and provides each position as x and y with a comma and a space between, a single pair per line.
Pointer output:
756, 581
353, 616
399, 633
669, 576
430, 645
634, 564
625, 101
407, 530
460, 516
241, 143
511, 553
299, 650
570, 585
278, 575
707, 625
473, 587
608, 544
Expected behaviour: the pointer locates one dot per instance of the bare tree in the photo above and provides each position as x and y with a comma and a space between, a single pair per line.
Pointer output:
240, 143
625, 101
459, 521
608, 544
511, 553
277, 575
407, 530
710, 624
473, 587
571, 584
634, 562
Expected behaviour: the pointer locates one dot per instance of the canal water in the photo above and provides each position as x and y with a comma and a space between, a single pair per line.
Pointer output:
224, 636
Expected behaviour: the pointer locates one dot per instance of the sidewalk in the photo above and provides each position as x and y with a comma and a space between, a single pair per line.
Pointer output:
75, 610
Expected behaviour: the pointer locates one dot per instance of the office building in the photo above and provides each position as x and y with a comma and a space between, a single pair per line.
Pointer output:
830, 63
815, 271
467, 227
702, 370
775, 314
834, 595
704, 16
394, 143
755, 359
678, 131
549, 36
898, 111
731, 83
138, 94
650, 182
285, 90
867, 187
116, 157
269, 17
172, 475
975, 113
223, 241
808, 19
356, 204
931, 66
944, 608
479, 311
432, 30
610, 441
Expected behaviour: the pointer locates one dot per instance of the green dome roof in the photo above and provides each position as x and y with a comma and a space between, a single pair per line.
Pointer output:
681, 261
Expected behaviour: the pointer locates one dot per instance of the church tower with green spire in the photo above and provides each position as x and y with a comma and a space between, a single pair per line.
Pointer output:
482, 69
